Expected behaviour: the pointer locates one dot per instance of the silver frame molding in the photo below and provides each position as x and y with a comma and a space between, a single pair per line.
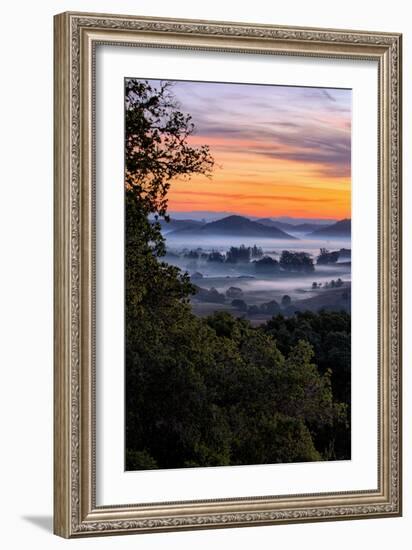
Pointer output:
75, 40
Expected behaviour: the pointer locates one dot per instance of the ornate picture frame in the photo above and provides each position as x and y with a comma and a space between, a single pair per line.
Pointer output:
76, 511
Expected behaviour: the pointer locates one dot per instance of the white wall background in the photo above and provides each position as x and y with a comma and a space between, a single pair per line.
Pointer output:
26, 272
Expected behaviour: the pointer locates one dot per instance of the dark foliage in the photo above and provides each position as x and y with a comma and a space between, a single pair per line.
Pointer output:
238, 254
256, 252
216, 257
329, 334
266, 264
325, 257
206, 295
296, 261
286, 300
239, 304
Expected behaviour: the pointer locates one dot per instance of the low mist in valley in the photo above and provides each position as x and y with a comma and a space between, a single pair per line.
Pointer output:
249, 288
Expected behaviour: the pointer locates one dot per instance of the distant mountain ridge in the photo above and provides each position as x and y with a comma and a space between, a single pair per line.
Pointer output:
211, 216
174, 225
234, 226
241, 226
270, 223
299, 221
341, 228
289, 227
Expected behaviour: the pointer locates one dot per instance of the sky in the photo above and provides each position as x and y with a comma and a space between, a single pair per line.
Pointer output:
278, 150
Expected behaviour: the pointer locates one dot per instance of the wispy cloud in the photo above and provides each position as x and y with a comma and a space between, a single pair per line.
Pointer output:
275, 134
248, 196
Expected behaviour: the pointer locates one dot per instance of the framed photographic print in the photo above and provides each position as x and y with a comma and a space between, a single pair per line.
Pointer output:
227, 274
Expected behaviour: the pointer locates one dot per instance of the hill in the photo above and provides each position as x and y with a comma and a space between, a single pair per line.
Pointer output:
298, 221
271, 223
302, 228
234, 226
176, 225
306, 228
340, 229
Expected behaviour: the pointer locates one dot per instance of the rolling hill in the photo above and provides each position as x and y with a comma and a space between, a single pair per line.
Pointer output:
272, 223
177, 225
301, 228
306, 228
340, 229
234, 226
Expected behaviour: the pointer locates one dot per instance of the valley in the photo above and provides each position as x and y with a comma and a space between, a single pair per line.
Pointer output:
255, 269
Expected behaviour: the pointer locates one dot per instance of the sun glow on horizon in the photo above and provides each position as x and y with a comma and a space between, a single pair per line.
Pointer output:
278, 150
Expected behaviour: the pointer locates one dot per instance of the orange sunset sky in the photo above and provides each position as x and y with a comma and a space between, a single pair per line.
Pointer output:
278, 150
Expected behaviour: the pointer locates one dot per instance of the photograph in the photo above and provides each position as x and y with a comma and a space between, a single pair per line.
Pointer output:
237, 232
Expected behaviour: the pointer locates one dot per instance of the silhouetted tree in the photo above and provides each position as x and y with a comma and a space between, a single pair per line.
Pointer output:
267, 264
216, 257
238, 254
256, 252
286, 300
326, 257
239, 304
234, 292
157, 147
296, 261
156, 152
